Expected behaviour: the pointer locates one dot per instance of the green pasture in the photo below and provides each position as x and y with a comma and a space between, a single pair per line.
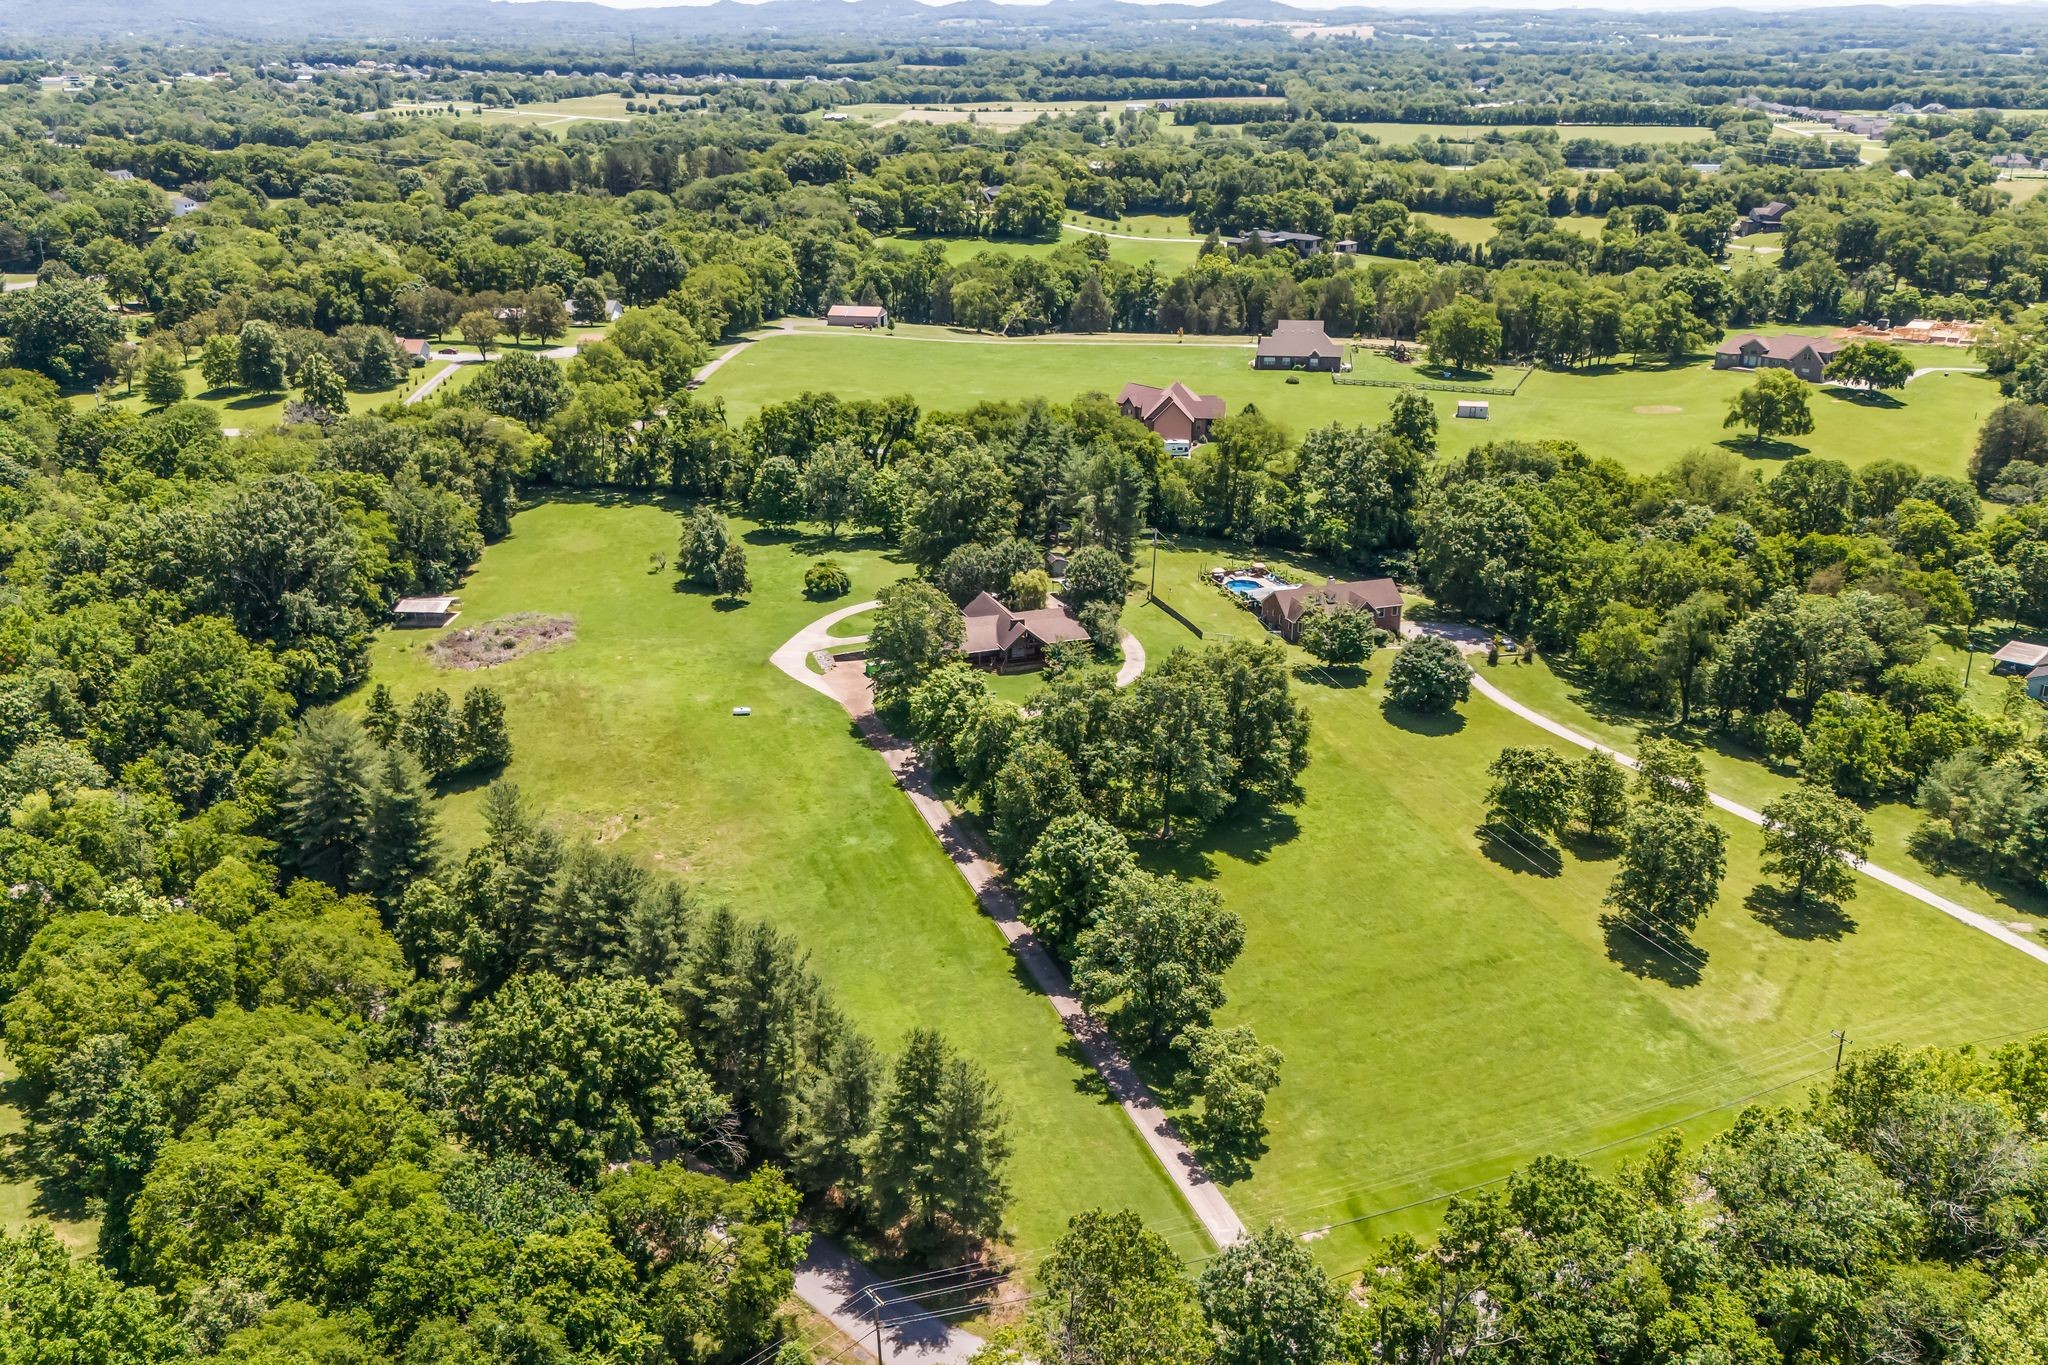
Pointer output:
1169, 255
1449, 1009
1644, 416
1003, 113
2022, 187
1626, 134
627, 735
606, 108
1475, 229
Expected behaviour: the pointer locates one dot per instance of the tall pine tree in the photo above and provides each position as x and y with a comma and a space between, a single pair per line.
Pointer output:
327, 799
400, 847
939, 1147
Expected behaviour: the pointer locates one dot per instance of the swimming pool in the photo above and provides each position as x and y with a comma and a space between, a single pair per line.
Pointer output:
1243, 587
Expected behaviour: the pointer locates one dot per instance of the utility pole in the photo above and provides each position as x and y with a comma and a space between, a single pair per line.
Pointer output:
1841, 1041
1153, 590
875, 1307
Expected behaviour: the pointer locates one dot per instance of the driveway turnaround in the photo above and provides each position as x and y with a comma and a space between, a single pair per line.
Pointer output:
847, 683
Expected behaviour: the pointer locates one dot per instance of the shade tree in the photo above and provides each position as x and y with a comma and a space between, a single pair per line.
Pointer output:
1812, 841
1428, 677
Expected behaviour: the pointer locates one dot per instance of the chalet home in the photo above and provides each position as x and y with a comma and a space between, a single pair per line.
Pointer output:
1001, 639
418, 351
1298, 346
856, 315
1176, 414
1763, 218
1282, 609
1806, 357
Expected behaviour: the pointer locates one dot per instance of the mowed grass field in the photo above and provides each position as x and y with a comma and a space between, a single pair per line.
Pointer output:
1645, 417
1448, 1010
627, 735
238, 408
1170, 255
1004, 113
1626, 134
1737, 773
1476, 229
607, 108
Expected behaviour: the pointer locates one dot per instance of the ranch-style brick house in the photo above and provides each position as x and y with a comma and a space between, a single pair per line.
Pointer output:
1806, 357
1296, 345
1282, 610
1003, 640
1175, 414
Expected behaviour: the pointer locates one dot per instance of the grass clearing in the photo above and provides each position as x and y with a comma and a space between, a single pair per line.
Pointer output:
626, 735
548, 114
1625, 134
1448, 1011
1169, 256
1645, 416
2022, 187
243, 410
22, 1202
1737, 773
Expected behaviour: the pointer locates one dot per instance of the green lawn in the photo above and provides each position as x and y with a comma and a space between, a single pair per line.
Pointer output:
1447, 1011
1169, 256
21, 1193
549, 114
243, 410
2022, 187
1736, 773
1644, 417
1404, 134
627, 735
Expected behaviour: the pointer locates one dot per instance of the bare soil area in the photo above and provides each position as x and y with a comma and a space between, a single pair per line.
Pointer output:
501, 641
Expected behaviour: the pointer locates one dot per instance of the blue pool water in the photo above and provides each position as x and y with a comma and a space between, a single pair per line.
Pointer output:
1243, 585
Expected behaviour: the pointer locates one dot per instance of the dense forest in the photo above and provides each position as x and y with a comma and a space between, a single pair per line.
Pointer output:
340, 1091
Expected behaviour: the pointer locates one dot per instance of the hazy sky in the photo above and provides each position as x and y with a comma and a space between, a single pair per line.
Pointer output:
1441, 6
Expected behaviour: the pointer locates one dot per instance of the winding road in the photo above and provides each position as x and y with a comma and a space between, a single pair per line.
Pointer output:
847, 684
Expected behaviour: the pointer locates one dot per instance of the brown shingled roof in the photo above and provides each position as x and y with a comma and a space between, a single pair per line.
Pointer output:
991, 626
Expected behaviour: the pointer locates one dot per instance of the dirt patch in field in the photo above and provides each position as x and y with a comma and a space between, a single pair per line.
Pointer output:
1658, 409
501, 641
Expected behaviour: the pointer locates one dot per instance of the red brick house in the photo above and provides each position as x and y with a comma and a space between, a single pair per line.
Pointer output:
1176, 414
1806, 357
1283, 609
